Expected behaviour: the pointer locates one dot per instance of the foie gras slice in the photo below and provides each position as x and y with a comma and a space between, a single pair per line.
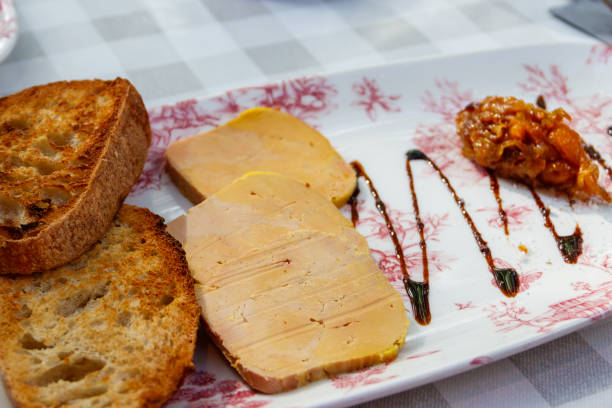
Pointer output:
259, 139
288, 289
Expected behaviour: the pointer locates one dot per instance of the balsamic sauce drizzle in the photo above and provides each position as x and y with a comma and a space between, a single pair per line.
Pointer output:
422, 244
418, 292
595, 155
570, 246
500, 208
610, 131
506, 278
352, 201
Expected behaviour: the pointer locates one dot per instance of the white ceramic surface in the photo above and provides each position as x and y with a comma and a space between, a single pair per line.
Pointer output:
8, 28
375, 115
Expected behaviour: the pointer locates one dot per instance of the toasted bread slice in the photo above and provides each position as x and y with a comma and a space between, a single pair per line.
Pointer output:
288, 289
259, 139
69, 154
116, 327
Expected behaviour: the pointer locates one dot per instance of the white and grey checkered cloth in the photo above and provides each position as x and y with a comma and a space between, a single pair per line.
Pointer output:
177, 49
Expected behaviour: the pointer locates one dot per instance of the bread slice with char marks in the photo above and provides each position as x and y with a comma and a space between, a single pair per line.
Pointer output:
116, 327
69, 154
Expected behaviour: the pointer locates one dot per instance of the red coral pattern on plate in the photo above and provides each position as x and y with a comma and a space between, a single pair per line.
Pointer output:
447, 100
203, 390
588, 114
592, 303
229, 102
439, 140
598, 260
516, 215
363, 377
464, 306
370, 97
372, 225
306, 98
8, 26
600, 53
165, 121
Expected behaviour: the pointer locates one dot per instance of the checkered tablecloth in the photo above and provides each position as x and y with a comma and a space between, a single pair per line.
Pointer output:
177, 49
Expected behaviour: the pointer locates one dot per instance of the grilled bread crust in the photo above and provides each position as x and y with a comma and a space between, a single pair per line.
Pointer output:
69, 154
116, 327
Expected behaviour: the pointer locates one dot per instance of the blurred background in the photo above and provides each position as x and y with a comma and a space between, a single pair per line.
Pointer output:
177, 49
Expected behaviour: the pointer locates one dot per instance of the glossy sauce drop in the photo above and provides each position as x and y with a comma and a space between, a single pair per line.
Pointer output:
570, 246
610, 131
500, 208
541, 102
506, 278
418, 292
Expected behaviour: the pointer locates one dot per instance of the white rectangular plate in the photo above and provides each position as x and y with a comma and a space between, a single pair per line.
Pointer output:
375, 115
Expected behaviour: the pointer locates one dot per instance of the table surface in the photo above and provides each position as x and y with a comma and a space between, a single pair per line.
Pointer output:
177, 49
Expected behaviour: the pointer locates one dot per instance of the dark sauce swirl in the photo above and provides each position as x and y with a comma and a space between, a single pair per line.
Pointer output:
506, 278
352, 201
610, 131
570, 246
500, 208
418, 292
